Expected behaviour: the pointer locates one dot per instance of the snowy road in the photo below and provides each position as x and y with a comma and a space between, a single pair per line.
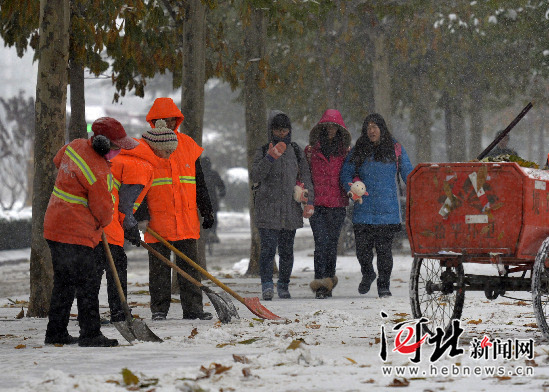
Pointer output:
323, 345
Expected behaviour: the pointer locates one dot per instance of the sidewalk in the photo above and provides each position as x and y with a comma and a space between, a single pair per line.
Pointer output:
14, 256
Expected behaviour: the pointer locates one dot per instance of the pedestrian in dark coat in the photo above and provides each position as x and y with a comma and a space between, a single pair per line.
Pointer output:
277, 168
502, 147
377, 160
216, 190
329, 143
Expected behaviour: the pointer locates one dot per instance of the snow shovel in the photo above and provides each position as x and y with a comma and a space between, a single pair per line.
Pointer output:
224, 308
252, 303
131, 329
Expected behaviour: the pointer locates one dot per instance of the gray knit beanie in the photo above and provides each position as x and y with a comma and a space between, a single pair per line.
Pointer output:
161, 138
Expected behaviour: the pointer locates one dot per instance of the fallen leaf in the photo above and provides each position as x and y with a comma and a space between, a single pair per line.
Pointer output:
20, 346
129, 377
295, 344
246, 372
194, 332
312, 326
141, 292
503, 378
350, 360
249, 341
532, 325
240, 358
399, 382
531, 362
214, 368
476, 322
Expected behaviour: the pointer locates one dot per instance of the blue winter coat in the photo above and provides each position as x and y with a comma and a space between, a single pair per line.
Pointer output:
382, 205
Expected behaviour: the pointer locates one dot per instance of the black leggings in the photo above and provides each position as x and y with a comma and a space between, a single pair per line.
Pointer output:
381, 237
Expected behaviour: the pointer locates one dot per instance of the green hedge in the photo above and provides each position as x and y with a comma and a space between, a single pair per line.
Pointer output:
15, 234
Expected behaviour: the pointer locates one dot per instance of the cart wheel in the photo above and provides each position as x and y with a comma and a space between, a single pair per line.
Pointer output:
436, 292
540, 288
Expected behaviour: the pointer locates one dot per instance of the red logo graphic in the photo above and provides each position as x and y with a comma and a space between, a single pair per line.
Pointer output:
401, 347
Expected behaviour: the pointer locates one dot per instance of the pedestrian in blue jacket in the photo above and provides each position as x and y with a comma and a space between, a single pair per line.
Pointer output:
377, 160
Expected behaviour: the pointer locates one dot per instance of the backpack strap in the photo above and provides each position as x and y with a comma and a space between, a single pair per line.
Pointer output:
297, 151
398, 154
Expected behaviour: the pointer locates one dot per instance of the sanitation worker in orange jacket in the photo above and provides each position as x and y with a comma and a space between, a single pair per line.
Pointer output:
133, 174
80, 206
177, 193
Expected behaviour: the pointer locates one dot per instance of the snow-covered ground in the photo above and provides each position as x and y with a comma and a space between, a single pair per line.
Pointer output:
322, 345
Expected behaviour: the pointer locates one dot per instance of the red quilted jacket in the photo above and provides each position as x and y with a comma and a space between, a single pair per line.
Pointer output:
325, 176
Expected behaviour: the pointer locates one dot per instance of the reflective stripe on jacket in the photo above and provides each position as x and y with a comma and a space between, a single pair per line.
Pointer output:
81, 203
133, 166
172, 197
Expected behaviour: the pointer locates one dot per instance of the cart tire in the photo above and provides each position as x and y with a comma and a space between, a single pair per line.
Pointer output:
440, 309
540, 288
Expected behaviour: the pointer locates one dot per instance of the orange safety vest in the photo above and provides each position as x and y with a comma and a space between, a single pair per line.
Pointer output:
172, 197
133, 166
81, 203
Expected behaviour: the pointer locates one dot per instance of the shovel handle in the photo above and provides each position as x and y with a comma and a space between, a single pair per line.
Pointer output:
196, 266
505, 131
175, 267
116, 278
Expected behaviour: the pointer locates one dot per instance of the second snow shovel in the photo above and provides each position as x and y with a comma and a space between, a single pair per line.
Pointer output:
223, 306
252, 303
131, 329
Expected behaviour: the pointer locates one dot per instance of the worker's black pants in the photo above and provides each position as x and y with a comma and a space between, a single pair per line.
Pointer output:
74, 274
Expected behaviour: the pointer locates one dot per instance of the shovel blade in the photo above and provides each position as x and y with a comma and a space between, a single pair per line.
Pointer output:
125, 330
136, 330
256, 308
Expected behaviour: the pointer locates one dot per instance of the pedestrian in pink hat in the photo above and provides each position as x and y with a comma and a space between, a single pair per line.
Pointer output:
329, 143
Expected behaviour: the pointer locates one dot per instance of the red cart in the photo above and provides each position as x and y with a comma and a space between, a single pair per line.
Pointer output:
492, 213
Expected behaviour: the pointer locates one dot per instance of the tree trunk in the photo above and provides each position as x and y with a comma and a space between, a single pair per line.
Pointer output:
193, 79
542, 154
421, 116
51, 98
456, 143
477, 123
193, 75
459, 131
448, 114
77, 123
381, 76
255, 110
30, 177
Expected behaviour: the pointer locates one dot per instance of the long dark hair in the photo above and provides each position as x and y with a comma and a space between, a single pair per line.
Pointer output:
333, 147
364, 148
